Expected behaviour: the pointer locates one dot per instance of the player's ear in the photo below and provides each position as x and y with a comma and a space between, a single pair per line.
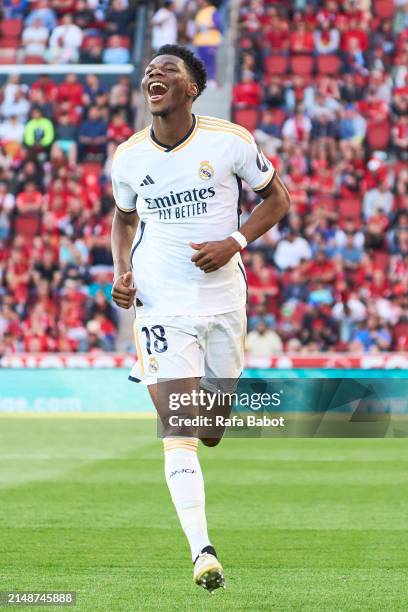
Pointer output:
192, 90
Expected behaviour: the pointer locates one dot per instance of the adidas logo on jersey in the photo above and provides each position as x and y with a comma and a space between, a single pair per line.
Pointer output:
147, 181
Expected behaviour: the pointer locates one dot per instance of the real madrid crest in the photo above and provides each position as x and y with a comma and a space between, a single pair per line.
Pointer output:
153, 364
206, 171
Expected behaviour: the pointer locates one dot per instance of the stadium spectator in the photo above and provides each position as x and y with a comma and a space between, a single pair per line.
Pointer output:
11, 135
34, 39
29, 200
164, 26
65, 41
45, 13
207, 37
247, 92
65, 139
84, 17
300, 39
92, 135
117, 19
292, 250
39, 131
16, 105
326, 39
116, 52
378, 199
263, 342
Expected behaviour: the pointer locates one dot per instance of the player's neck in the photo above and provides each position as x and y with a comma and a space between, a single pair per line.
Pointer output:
173, 128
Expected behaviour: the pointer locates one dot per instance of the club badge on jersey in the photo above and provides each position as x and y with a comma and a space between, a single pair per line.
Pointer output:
206, 171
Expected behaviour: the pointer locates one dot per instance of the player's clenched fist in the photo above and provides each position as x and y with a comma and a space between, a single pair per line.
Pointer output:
211, 256
123, 294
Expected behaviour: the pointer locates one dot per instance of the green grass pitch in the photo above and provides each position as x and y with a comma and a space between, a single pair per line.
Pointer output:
298, 524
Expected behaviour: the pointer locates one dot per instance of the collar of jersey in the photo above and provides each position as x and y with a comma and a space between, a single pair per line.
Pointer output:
178, 145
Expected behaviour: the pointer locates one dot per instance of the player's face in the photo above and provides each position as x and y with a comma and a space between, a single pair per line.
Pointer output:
167, 85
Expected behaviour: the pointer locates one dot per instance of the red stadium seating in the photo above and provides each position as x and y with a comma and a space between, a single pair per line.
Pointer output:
302, 65
381, 260
350, 208
8, 56
401, 335
11, 27
92, 41
328, 64
124, 40
326, 202
33, 59
378, 135
9, 42
385, 9
247, 117
278, 115
276, 64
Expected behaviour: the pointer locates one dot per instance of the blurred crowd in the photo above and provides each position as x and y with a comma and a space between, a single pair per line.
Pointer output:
66, 31
323, 86
56, 207
197, 24
332, 276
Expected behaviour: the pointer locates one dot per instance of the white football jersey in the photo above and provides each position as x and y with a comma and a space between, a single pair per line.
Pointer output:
187, 192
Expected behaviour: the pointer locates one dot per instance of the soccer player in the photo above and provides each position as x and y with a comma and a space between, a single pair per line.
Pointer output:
176, 246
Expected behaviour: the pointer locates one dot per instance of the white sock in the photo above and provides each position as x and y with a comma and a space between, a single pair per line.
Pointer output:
186, 485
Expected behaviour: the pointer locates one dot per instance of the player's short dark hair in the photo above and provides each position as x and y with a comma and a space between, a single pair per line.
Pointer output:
194, 65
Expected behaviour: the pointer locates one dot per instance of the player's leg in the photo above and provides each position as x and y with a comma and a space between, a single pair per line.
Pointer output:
168, 350
184, 475
224, 363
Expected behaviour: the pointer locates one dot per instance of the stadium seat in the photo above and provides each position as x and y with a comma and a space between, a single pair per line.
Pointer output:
399, 166
9, 42
302, 65
8, 56
350, 208
92, 167
328, 64
11, 27
385, 9
381, 260
325, 202
92, 41
278, 115
276, 64
378, 135
124, 40
247, 117
401, 335
34, 59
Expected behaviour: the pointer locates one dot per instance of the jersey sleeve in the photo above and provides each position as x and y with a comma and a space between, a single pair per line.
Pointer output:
125, 197
251, 165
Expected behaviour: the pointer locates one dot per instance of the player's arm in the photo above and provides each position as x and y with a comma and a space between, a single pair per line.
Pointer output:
275, 205
211, 256
124, 226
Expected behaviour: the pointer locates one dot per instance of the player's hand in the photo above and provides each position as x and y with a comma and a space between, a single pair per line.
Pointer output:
123, 294
211, 256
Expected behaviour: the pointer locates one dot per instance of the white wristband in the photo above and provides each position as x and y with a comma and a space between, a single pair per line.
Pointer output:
240, 238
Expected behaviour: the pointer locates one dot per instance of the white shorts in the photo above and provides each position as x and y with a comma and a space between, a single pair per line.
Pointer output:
206, 347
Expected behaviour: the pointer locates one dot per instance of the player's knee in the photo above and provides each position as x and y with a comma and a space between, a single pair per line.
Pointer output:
210, 441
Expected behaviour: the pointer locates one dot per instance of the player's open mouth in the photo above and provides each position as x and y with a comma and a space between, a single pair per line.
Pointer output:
157, 90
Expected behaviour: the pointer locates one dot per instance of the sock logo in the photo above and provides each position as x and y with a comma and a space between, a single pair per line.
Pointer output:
182, 471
